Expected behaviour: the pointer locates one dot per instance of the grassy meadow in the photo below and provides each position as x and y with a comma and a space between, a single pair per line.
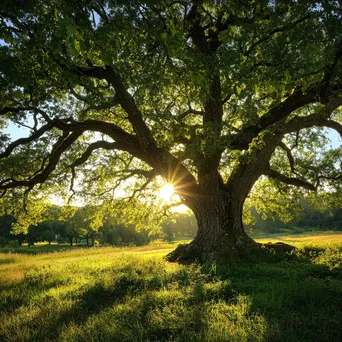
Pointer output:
133, 294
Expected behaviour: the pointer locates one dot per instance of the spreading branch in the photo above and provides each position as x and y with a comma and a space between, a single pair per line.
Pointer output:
295, 101
60, 146
289, 180
123, 97
274, 31
298, 123
91, 148
330, 178
288, 152
23, 141
6, 110
189, 111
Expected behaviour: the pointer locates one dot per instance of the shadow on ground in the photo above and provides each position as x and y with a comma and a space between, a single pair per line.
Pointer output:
273, 297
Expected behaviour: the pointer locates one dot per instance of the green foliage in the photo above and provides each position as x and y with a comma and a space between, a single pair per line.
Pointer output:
48, 235
183, 224
6, 222
306, 215
264, 52
112, 237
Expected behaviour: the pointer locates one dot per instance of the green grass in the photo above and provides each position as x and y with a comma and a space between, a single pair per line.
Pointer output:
39, 249
133, 294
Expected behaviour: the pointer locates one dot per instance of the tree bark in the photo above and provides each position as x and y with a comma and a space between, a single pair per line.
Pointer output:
221, 236
70, 240
218, 209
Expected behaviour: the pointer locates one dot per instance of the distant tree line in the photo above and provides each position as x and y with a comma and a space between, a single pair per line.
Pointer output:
309, 219
183, 226
79, 229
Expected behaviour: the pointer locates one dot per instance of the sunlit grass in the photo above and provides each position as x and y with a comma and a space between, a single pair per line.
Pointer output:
133, 294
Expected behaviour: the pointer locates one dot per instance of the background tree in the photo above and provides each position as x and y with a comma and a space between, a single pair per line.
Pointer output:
83, 224
68, 231
49, 236
112, 237
183, 225
6, 222
116, 231
212, 96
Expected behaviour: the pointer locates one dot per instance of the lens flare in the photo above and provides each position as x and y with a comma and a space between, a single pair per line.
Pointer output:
166, 192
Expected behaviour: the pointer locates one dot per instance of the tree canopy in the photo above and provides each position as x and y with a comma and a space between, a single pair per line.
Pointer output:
212, 96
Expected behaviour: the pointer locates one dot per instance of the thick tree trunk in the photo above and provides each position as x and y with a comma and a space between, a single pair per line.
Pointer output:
218, 207
221, 236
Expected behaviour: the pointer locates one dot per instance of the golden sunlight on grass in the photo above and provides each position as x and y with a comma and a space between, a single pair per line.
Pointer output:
134, 294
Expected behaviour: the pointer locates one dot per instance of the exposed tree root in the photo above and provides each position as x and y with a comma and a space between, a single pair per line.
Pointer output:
222, 252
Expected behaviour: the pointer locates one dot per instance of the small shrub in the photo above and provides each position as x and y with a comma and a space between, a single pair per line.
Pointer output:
13, 244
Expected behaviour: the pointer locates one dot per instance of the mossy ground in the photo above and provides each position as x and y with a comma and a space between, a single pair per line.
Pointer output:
133, 294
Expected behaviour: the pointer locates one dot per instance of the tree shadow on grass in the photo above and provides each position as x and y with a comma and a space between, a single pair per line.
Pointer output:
272, 297
88, 303
14, 296
104, 294
297, 300
301, 300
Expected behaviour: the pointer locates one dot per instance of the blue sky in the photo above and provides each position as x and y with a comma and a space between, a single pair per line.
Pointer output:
335, 138
16, 132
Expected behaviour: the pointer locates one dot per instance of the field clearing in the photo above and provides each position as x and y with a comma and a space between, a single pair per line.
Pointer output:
133, 294
320, 240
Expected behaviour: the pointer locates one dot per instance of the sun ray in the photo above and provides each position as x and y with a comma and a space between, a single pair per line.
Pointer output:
166, 192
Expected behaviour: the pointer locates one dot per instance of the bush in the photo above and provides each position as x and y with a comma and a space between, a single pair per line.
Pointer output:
13, 244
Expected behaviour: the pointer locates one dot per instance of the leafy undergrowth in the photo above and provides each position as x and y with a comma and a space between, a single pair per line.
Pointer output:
131, 294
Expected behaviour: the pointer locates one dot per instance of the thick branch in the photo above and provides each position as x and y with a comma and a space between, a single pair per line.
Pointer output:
196, 31
297, 100
124, 141
189, 111
18, 109
6, 110
91, 148
62, 145
290, 180
299, 123
22, 141
126, 101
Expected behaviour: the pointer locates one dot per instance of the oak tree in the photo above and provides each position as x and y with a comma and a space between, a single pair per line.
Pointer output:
210, 95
